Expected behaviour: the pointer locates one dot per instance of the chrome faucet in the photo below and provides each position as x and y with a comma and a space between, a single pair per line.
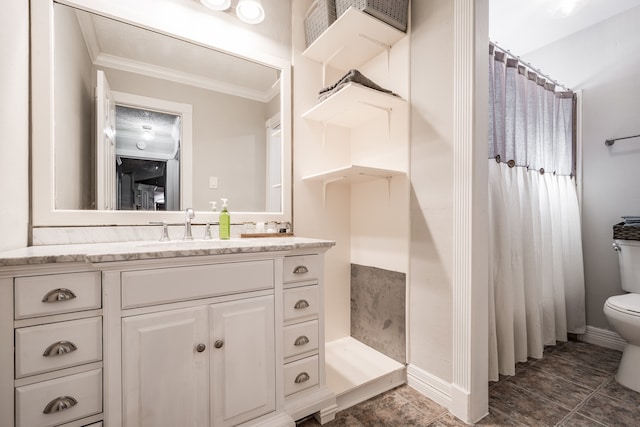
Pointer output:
189, 214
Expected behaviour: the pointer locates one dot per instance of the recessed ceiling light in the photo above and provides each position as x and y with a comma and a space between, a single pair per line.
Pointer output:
217, 4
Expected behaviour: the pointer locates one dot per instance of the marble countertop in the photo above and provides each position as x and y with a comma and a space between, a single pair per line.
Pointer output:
138, 250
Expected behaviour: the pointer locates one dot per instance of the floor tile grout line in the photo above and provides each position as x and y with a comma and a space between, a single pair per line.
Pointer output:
542, 397
553, 373
585, 400
595, 368
507, 416
411, 403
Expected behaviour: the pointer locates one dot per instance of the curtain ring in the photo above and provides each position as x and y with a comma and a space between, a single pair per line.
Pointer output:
497, 158
511, 163
541, 171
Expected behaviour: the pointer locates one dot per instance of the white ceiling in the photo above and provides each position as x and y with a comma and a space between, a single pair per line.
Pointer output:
523, 26
122, 46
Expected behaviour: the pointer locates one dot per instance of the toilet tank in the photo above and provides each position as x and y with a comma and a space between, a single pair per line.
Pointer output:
629, 259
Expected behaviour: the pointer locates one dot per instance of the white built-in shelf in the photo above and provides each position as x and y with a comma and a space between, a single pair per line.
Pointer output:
353, 105
352, 40
353, 174
357, 372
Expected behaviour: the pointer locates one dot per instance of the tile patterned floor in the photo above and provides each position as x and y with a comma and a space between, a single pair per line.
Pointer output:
572, 385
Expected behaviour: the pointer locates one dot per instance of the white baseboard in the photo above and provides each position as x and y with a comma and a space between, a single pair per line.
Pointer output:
431, 386
603, 338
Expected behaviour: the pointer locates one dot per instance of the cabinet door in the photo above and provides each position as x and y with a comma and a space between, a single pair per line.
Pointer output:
242, 360
165, 369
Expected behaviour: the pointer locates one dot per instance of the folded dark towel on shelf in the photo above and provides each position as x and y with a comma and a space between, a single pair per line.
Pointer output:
352, 76
631, 219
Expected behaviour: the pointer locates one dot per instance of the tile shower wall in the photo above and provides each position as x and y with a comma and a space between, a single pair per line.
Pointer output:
378, 309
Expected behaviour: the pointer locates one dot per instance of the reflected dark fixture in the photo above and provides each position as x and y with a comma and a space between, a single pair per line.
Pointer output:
141, 184
609, 142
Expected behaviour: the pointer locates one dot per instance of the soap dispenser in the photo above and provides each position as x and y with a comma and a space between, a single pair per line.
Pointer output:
207, 227
225, 222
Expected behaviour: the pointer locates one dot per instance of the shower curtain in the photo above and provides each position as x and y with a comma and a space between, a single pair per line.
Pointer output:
536, 279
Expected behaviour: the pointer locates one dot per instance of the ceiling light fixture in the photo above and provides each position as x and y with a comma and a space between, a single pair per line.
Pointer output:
219, 5
250, 11
565, 8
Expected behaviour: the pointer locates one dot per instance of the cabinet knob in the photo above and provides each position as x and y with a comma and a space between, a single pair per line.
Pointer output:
301, 304
301, 269
301, 340
59, 294
59, 348
302, 378
218, 344
200, 348
59, 404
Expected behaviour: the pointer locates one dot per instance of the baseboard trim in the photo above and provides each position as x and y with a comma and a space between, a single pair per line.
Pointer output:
429, 385
603, 338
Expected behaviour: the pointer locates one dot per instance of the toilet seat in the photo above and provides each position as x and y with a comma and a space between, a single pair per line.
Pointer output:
627, 303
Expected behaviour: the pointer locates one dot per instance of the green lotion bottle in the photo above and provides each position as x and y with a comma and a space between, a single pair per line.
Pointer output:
225, 222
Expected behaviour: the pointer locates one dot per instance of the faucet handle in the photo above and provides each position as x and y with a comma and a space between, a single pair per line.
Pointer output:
207, 231
189, 213
165, 230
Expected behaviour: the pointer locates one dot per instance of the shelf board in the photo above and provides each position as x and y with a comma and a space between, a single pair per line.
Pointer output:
342, 47
353, 105
352, 366
352, 174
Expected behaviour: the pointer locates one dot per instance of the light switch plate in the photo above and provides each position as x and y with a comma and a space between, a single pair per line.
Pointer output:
213, 182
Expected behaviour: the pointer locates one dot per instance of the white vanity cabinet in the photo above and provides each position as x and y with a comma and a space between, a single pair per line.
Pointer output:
176, 362
165, 378
209, 364
57, 334
142, 338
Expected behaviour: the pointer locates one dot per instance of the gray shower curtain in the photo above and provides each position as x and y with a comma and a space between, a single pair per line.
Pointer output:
536, 277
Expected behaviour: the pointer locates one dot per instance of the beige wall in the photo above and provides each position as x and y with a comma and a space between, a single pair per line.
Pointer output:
604, 62
14, 121
430, 303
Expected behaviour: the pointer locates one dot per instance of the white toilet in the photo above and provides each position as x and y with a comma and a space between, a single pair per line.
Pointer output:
623, 312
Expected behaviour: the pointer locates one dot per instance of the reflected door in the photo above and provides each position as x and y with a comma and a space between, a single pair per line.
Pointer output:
105, 145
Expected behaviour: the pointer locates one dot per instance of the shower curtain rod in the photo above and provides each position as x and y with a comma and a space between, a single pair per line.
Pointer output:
528, 65
609, 142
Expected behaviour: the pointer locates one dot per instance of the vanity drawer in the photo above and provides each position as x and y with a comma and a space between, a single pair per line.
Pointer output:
160, 286
57, 293
300, 375
67, 344
32, 401
301, 303
300, 338
301, 267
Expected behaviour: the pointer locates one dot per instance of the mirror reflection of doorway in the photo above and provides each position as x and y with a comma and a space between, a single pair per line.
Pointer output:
147, 159
141, 184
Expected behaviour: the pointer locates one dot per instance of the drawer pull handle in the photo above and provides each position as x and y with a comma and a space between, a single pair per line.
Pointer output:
60, 404
301, 269
200, 348
59, 348
302, 378
301, 340
59, 294
218, 344
301, 304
